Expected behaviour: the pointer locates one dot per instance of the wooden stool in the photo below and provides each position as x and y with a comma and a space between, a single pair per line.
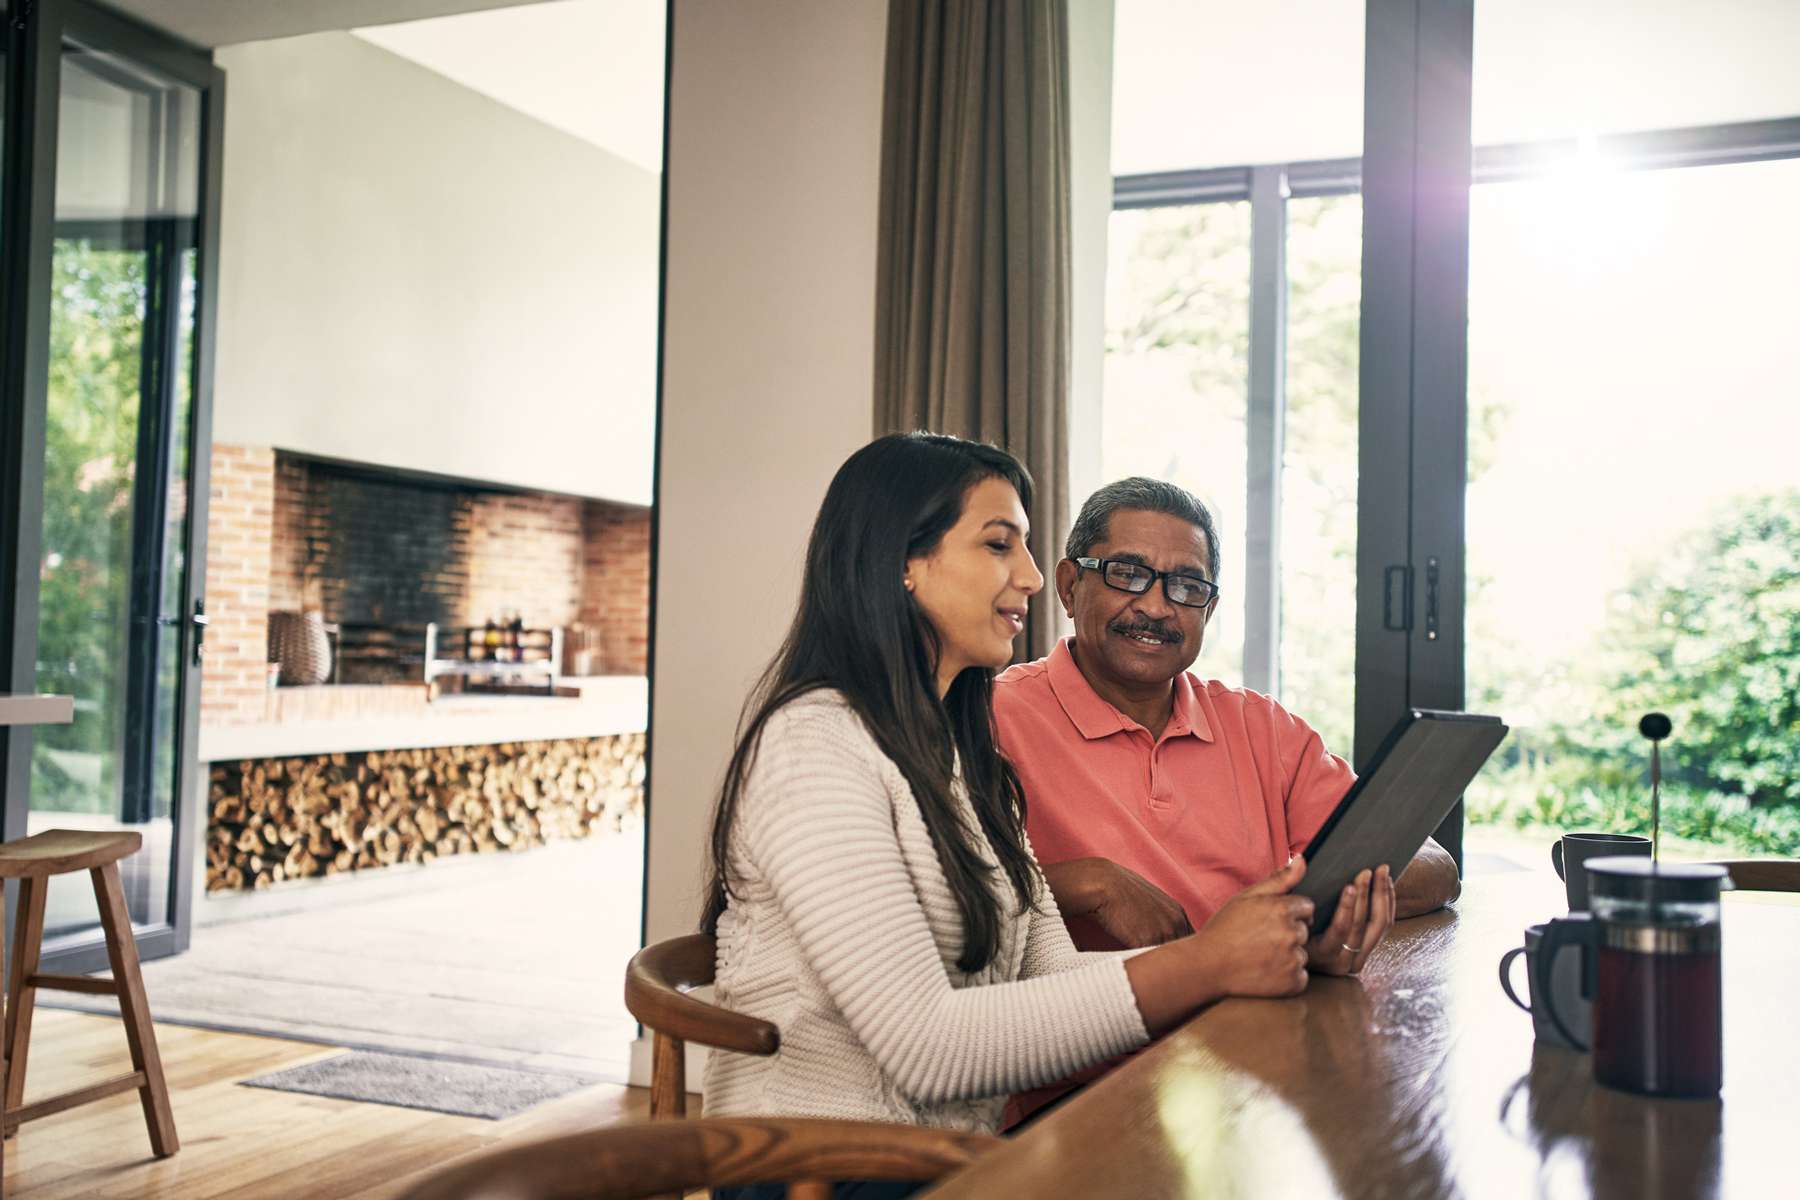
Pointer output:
32, 861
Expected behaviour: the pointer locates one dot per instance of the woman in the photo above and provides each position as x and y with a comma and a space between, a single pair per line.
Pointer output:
873, 894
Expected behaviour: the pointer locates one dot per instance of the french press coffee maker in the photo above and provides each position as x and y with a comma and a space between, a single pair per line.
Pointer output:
1651, 953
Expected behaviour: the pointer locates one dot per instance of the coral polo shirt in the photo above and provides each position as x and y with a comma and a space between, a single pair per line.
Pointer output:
1234, 786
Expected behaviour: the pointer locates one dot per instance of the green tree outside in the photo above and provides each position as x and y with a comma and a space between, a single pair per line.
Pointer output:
96, 338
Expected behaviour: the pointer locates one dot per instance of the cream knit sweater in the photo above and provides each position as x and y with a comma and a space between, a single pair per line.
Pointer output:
844, 933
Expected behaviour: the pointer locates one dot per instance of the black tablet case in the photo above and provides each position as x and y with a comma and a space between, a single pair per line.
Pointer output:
1411, 784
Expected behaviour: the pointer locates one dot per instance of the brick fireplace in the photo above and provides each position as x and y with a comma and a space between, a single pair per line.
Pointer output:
359, 544
310, 781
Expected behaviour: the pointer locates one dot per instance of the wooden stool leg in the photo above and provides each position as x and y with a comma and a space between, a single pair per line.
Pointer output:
28, 945
121, 948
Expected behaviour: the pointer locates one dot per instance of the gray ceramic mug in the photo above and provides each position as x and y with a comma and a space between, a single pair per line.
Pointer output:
1572, 851
1568, 981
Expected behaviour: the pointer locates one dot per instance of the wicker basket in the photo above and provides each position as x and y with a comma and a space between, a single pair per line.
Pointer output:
298, 643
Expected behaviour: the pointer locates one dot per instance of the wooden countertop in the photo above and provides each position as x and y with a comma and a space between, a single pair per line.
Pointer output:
36, 710
1422, 1079
608, 705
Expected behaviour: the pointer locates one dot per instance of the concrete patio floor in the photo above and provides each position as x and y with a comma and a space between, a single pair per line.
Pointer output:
510, 959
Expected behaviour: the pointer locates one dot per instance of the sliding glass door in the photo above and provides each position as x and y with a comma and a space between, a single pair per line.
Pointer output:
1537, 410
120, 512
1634, 503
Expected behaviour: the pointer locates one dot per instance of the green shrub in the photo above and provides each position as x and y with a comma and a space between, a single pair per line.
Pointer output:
1709, 632
1718, 819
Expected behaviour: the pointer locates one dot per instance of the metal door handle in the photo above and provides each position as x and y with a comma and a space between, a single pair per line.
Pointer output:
1431, 599
201, 621
1403, 573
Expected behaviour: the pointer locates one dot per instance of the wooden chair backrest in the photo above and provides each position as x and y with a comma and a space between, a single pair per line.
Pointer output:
657, 983
629, 1162
1763, 874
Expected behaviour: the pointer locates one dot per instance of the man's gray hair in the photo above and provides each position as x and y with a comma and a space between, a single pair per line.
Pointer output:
1139, 494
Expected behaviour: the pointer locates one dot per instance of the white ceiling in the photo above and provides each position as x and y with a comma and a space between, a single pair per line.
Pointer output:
591, 68
225, 22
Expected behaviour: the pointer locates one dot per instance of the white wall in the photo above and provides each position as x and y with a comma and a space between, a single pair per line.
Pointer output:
774, 166
415, 275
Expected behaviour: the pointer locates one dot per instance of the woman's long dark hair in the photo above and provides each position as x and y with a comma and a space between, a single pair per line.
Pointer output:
859, 631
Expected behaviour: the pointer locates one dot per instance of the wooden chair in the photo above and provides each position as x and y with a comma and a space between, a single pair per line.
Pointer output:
629, 1162
657, 983
32, 861
1763, 874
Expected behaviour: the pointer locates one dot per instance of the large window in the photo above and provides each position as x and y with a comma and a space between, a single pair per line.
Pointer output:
1634, 500
1178, 333
1318, 470
1177, 390
1633, 509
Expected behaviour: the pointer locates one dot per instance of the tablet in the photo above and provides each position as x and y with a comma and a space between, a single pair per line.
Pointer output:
1415, 778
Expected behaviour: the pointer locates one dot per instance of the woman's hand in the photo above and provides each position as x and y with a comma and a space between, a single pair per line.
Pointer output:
1365, 913
1256, 943
1254, 946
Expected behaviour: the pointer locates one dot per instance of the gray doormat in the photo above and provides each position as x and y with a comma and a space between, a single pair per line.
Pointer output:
463, 1089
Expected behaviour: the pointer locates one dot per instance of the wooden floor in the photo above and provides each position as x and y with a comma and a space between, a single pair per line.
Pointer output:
240, 1142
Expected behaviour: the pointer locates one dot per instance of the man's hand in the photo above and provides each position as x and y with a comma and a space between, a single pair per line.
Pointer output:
1427, 883
1365, 913
1130, 908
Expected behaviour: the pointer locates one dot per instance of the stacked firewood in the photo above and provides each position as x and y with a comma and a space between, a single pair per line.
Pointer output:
277, 819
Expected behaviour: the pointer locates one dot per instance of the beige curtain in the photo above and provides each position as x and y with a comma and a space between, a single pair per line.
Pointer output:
972, 299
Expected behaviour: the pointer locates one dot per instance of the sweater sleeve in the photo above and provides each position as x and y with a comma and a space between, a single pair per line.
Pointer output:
817, 825
1049, 950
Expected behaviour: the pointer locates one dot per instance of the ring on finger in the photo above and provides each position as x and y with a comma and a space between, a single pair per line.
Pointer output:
1351, 949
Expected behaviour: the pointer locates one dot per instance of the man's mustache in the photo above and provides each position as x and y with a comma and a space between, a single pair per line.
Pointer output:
1155, 629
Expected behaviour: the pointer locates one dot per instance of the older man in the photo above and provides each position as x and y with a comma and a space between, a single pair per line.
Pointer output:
1154, 796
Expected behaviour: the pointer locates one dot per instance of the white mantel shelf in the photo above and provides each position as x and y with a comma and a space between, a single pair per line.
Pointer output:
610, 705
36, 709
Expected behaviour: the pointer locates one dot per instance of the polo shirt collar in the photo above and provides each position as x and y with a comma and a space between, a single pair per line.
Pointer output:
1096, 718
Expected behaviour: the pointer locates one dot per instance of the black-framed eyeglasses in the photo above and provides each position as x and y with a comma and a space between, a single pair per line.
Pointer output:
1189, 591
